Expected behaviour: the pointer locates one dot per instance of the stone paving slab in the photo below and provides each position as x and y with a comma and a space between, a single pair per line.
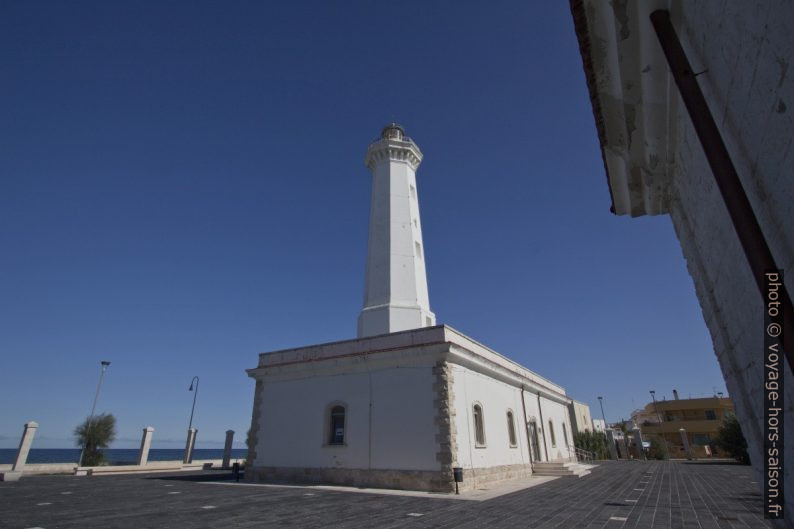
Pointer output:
616, 495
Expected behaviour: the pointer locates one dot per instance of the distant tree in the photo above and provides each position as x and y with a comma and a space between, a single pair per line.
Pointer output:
626, 431
595, 442
731, 440
93, 434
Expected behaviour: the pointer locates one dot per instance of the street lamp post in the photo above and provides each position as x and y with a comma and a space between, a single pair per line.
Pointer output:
659, 418
195, 394
104, 364
191, 434
601, 402
656, 408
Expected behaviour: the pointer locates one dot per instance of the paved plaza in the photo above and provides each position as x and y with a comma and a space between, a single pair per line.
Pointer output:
616, 494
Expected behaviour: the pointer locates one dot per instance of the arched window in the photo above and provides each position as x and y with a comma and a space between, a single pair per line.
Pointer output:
337, 432
511, 429
479, 426
551, 433
565, 433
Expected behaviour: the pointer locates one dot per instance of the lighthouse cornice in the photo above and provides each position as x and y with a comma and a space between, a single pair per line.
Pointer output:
388, 149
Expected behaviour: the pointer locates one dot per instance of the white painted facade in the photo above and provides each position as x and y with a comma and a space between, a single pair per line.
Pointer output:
395, 291
408, 399
656, 164
382, 439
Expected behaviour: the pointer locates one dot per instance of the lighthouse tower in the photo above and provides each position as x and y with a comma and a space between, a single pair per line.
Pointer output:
395, 291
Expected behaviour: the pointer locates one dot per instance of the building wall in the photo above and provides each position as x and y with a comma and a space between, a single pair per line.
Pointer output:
497, 398
560, 449
581, 421
401, 428
745, 48
409, 421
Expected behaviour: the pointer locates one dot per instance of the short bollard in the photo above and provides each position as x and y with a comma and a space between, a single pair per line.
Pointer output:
236, 471
457, 472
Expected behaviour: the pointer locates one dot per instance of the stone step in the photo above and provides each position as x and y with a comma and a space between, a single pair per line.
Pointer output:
581, 472
562, 469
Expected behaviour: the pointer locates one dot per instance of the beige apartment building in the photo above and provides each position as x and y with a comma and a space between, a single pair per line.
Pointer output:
700, 419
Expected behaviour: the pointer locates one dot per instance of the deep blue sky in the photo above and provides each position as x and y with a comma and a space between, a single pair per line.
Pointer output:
182, 187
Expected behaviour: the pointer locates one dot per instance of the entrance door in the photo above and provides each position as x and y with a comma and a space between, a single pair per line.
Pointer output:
533, 435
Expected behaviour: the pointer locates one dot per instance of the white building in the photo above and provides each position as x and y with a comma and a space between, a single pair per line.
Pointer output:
407, 401
655, 69
581, 420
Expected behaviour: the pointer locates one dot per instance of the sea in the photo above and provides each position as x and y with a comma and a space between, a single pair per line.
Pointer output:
115, 456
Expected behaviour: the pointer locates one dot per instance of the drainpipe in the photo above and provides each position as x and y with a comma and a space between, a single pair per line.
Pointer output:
369, 417
526, 429
755, 247
542, 429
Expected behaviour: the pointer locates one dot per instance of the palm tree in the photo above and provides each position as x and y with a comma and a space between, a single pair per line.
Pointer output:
94, 433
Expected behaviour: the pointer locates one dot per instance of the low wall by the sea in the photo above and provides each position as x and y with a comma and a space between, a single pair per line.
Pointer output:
152, 466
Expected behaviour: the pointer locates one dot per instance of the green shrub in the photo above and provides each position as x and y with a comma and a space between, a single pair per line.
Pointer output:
595, 442
731, 440
94, 433
658, 449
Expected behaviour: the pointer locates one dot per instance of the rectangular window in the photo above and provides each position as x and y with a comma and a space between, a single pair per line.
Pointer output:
711, 415
413, 192
337, 433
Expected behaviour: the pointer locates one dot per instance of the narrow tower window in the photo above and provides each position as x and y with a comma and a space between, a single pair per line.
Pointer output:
337, 436
413, 192
418, 250
565, 434
511, 429
551, 433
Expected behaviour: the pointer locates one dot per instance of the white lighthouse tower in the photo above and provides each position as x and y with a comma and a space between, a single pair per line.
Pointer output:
395, 291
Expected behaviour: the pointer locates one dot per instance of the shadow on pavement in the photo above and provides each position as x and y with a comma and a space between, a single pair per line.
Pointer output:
720, 462
218, 475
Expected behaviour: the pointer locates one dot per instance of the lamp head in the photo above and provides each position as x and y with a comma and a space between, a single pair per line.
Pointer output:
105, 363
191, 387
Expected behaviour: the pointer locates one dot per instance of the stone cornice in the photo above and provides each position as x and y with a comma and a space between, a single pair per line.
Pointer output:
391, 149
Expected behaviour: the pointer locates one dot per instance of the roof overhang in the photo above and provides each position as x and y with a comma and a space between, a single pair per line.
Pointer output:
630, 91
